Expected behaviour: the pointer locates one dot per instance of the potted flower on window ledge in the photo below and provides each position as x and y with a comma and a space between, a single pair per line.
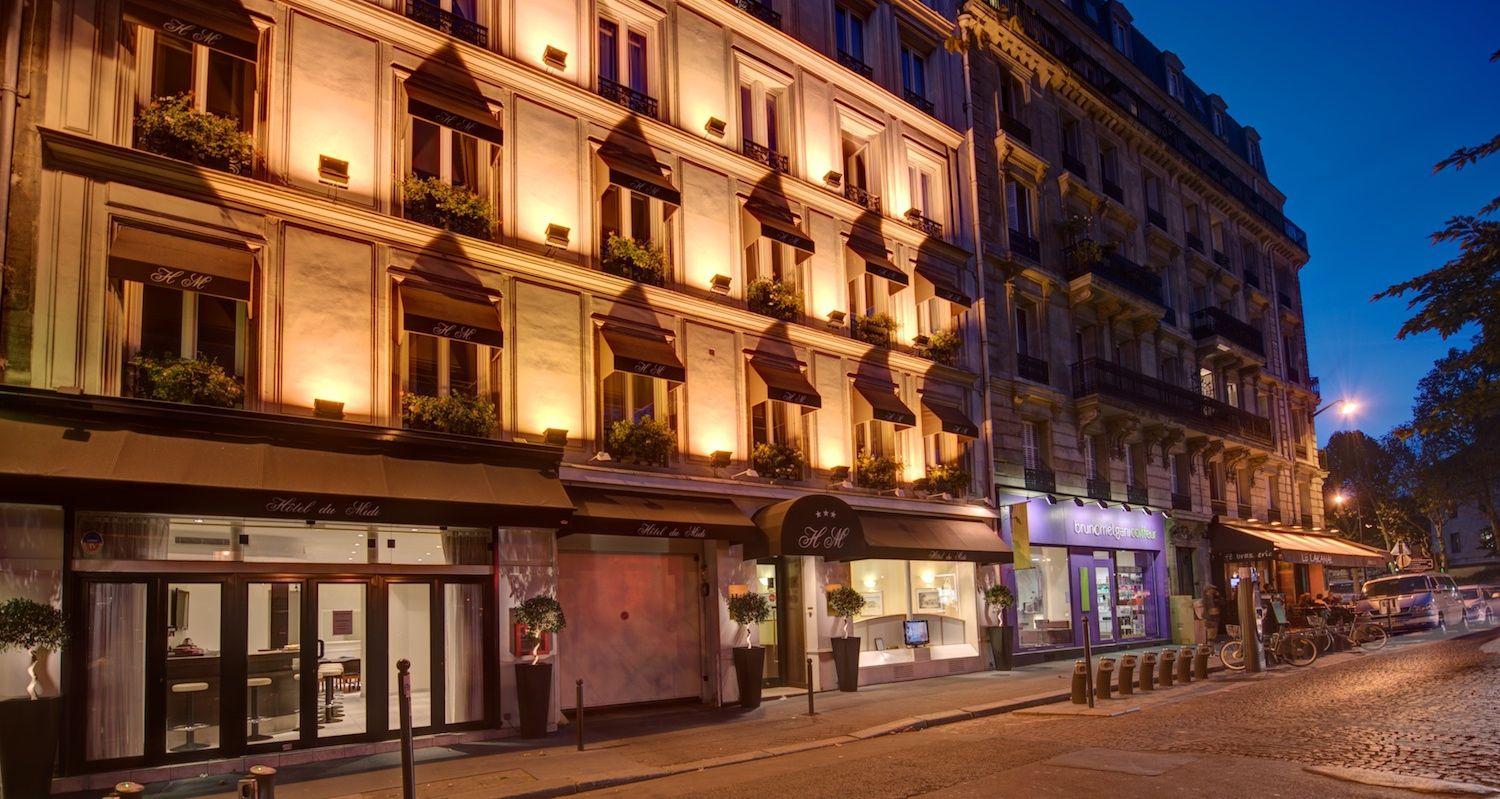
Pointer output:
778, 299
939, 347
173, 127
196, 381
878, 472
874, 329
28, 727
748, 610
643, 262
435, 202
846, 603
648, 442
945, 480
999, 600
777, 461
538, 616
458, 413
1079, 246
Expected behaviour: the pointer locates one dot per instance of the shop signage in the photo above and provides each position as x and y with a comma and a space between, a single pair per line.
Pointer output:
1245, 557
452, 121
315, 508
667, 530
192, 31
1068, 524
944, 554
416, 323
818, 524
1306, 557
179, 279
92, 541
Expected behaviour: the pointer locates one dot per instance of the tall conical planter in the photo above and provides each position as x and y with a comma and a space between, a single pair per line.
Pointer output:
1002, 643
846, 662
28, 745
749, 671
534, 696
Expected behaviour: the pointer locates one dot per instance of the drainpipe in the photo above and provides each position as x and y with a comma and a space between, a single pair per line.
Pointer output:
9, 98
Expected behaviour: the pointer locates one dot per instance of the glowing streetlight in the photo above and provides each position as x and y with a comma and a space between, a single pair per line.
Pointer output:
1347, 407
1338, 499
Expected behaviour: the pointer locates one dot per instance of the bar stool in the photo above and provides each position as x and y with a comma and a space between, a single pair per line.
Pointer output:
191, 726
329, 673
255, 684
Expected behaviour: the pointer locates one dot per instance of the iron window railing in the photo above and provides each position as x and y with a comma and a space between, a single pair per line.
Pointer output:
1040, 478
433, 16
1193, 242
1123, 273
918, 100
1033, 369
1157, 219
1307, 520
1015, 128
856, 63
1025, 246
760, 11
1182, 501
861, 197
1113, 191
638, 102
1099, 488
765, 155
921, 222
1071, 163
1095, 376
1137, 495
1218, 507
1273, 515
1209, 322
1242, 510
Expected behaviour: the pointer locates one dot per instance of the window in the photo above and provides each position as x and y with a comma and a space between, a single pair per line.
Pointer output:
941, 593
776, 423
913, 72
453, 144
1174, 83
1273, 489
868, 295
1135, 465
1455, 542
1091, 457
1181, 479
761, 118
849, 33
1018, 207
1192, 223
1218, 122
636, 398
1012, 96
1023, 328
1206, 383
1216, 236
186, 324
435, 366
1152, 187
1072, 138
858, 161
1216, 481
927, 190
1109, 164
641, 217
1119, 35
1031, 446
920, 184
769, 259
1232, 393
221, 79
1044, 604
624, 56
1242, 490
1253, 146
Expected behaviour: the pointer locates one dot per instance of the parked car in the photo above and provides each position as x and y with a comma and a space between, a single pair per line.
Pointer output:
1415, 602
1481, 602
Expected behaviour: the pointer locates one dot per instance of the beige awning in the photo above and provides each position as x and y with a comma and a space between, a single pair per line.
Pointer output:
602, 511
642, 352
1239, 542
181, 263
472, 318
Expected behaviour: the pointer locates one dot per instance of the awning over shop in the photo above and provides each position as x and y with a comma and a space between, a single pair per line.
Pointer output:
778, 224
948, 418
638, 172
783, 382
445, 103
472, 318
642, 352
937, 280
912, 537
816, 524
221, 25
154, 459
879, 401
180, 263
870, 248
603, 511
1243, 543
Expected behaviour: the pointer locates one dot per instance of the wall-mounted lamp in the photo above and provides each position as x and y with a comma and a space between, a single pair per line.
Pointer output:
913, 214
328, 409
833, 179
719, 458
835, 319
557, 235
838, 474
749, 472
720, 284
716, 127
555, 436
600, 457
333, 172
555, 57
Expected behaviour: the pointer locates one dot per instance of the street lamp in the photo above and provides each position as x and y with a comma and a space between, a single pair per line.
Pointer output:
1338, 499
1347, 407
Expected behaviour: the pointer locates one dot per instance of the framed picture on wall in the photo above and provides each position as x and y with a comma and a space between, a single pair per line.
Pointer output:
929, 599
874, 603
879, 644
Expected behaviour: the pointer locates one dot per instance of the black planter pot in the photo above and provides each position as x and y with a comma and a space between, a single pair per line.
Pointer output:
28, 745
1002, 643
846, 662
749, 671
534, 695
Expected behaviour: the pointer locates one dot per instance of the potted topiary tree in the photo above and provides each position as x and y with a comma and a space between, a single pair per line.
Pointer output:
999, 599
844, 603
747, 610
538, 616
28, 727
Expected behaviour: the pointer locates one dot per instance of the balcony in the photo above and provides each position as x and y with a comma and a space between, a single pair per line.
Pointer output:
1242, 510
1095, 376
1157, 219
1169, 317
1193, 242
433, 16
638, 102
1137, 495
760, 11
1113, 191
1025, 246
1033, 369
1314, 385
1072, 164
918, 100
1252, 277
920, 221
1293, 374
1210, 322
1221, 259
1040, 478
1123, 273
1099, 488
1182, 501
1285, 300
1273, 515
861, 197
1218, 507
1015, 129
765, 155
856, 64
1307, 520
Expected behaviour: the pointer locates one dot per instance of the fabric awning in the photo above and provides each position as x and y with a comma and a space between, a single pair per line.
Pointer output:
783, 382
778, 224
912, 537
469, 112
871, 250
109, 466
934, 280
882, 404
642, 353
948, 418
604, 511
473, 319
181, 263
639, 173
1243, 543
217, 24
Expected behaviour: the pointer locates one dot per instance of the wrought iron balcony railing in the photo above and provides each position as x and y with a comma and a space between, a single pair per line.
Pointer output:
1193, 242
1218, 507
1124, 273
1113, 191
638, 102
1242, 510
920, 221
1040, 478
1273, 515
1033, 369
760, 11
918, 100
1209, 322
1016, 129
1099, 488
1307, 520
1072, 164
856, 63
1025, 246
1137, 495
1182, 501
759, 152
1252, 277
433, 16
1157, 219
1095, 376
861, 197
1221, 259
1285, 300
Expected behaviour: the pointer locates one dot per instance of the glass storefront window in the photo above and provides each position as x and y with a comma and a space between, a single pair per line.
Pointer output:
938, 592
1132, 593
194, 612
1044, 600
116, 657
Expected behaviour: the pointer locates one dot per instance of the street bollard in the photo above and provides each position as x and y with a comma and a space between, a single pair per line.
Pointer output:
1080, 683
1185, 665
1148, 671
408, 751
1104, 678
1166, 662
265, 781
810, 710
1200, 661
578, 713
1127, 675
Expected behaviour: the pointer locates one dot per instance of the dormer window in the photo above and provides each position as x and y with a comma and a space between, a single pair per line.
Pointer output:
1174, 83
1218, 120
1119, 31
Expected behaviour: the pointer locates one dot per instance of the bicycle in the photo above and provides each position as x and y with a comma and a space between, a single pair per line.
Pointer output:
1359, 633
1294, 647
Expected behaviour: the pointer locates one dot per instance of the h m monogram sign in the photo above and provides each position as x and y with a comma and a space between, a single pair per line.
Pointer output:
824, 525
880, 270
639, 366
788, 237
795, 397
640, 185
416, 323
459, 122
179, 279
208, 35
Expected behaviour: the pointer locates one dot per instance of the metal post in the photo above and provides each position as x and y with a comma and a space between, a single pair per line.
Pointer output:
578, 713
265, 781
1249, 640
403, 693
1088, 663
810, 710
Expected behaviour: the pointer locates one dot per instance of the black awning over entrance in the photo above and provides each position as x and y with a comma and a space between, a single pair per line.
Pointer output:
604, 511
825, 525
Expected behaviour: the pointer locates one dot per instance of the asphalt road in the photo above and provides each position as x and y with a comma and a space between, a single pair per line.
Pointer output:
1430, 711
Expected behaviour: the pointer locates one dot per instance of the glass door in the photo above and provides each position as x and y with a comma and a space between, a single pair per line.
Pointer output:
273, 661
411, 618
192, 674
1104, 596
114, 672
768, 582
333, 689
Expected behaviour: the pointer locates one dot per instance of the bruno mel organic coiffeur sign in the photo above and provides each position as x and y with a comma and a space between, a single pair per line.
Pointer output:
1067, 523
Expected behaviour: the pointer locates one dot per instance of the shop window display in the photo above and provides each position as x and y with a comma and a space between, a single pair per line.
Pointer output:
938, 592
1132, 595
1044, 607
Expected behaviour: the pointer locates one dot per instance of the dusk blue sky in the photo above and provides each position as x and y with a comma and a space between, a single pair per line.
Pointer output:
1355, 102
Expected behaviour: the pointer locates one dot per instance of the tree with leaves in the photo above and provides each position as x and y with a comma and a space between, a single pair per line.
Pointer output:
1460, 436
1377, 508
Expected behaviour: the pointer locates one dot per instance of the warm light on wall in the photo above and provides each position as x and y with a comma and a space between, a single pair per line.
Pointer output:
555, 57
558, 235
333, 171
715, 127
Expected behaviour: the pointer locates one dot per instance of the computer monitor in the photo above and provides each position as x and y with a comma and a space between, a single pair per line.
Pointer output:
915, 632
